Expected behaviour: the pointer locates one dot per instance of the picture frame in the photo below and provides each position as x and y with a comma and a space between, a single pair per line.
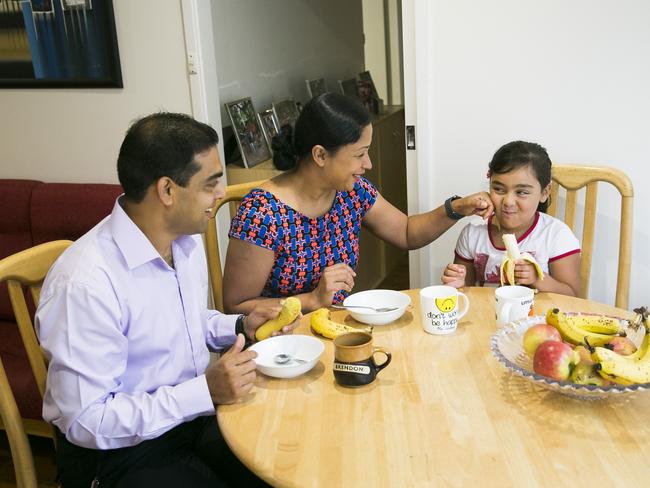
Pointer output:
59, 44
269, 125
248, 132
316, 87
286, 112
349, 87
367, 78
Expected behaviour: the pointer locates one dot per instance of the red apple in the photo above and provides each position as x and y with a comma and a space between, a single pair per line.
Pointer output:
621, 345
537, 334
555, 359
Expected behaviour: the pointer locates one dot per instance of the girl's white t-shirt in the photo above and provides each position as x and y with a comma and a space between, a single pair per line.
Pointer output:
547, 240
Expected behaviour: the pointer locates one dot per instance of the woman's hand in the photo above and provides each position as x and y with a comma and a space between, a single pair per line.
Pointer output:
476, 204
454, 275
334, 278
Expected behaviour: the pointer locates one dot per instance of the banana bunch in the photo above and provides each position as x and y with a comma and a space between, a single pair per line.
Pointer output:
322, 324
631, 369
590, 330
512, 254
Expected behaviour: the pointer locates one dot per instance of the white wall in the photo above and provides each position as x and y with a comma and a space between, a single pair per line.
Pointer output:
267, 49
74, 135
374, 48
573, 76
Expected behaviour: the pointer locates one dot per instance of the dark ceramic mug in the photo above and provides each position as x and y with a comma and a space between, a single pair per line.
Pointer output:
354, 359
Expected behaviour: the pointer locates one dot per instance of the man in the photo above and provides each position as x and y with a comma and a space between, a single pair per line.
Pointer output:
124, 324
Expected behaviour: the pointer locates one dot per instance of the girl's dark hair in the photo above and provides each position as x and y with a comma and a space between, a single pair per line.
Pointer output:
331, 120
517, 154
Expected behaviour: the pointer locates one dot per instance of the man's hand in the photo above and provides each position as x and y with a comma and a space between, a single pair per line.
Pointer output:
232, 376
266, 310
334, 278
477, 204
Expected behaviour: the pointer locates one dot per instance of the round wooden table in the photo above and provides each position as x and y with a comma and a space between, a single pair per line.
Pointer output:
443, 413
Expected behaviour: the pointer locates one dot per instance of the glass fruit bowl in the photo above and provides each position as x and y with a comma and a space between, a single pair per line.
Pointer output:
507, 346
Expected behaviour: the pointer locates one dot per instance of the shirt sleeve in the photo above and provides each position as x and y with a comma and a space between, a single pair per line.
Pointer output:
367, 194
81, 335
221, 330
564, 242
464, 249
255, 221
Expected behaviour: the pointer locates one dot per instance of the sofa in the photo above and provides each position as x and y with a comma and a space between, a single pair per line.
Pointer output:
33, 212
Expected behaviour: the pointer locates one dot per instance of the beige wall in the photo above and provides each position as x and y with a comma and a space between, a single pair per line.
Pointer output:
74, 135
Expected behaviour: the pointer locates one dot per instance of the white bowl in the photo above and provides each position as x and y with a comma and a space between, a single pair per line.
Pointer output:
377, 299
298, 346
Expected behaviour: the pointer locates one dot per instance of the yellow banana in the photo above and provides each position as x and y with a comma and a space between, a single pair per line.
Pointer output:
573, 334
512, 254
634, 368
321, 323
289, 313
597, 323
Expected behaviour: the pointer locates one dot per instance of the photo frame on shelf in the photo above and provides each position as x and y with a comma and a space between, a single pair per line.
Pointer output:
269, 125
286, 112
58, 44
349, 87
367, 78
316, 87
248, 132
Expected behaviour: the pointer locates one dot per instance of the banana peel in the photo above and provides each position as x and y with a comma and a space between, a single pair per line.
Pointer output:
321, 323
291, 307
511, 257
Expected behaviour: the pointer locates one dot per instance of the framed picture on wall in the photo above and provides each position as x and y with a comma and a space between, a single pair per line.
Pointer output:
349, 87
316, 87
248, 132
58, 44
269, 126
286, 112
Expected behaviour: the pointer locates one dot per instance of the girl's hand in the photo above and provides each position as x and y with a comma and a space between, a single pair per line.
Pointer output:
476, 204
336, 277
525, 273
454, 275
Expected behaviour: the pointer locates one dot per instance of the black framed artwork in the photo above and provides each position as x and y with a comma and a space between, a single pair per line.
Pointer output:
58, 44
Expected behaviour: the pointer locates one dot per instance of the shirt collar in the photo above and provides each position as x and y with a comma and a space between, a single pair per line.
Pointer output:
134, 245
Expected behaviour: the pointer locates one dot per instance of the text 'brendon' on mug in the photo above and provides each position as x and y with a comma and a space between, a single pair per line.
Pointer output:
354, 359
439, 308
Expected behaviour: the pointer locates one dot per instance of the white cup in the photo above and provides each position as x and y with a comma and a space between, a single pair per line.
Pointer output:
513, 302
439, 309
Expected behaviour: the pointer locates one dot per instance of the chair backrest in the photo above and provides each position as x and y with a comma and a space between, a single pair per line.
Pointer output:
234, 193
25, 269
575, 177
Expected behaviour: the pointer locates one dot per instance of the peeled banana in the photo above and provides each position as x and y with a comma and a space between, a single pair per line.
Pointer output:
512, 254
290, 310
634, 368
572, 333
322, 324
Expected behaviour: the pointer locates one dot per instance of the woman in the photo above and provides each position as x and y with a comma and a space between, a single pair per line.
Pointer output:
299, 233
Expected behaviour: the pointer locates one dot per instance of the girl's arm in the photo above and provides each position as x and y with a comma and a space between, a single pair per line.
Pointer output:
391, 225
563, 276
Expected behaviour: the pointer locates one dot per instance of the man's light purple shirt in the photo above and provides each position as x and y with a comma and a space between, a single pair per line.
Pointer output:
127, 336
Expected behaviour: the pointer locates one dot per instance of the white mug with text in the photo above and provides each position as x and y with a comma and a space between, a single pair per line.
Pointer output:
439, 308
513, 302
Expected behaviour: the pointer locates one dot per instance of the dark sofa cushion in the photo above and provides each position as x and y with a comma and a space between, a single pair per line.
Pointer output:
15, 227
69, 210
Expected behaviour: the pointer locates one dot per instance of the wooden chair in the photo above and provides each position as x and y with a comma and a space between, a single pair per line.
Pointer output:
234, 193
574, 177
26, 269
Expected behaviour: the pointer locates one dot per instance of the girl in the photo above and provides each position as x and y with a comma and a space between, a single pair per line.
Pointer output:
520, 185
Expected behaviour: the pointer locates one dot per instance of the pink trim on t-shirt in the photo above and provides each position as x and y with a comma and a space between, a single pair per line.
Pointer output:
550, 260
523, 236
463, 257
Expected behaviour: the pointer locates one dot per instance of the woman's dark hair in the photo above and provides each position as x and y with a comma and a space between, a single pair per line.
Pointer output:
517, 154
331, 120
161, 144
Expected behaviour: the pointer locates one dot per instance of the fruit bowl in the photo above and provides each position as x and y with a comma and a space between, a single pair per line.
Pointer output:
507, 347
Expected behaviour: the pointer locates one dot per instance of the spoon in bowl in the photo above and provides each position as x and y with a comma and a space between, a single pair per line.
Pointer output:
374, 309
286, 358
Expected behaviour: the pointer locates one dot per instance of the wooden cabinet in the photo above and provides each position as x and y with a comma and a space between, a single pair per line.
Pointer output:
388, 155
